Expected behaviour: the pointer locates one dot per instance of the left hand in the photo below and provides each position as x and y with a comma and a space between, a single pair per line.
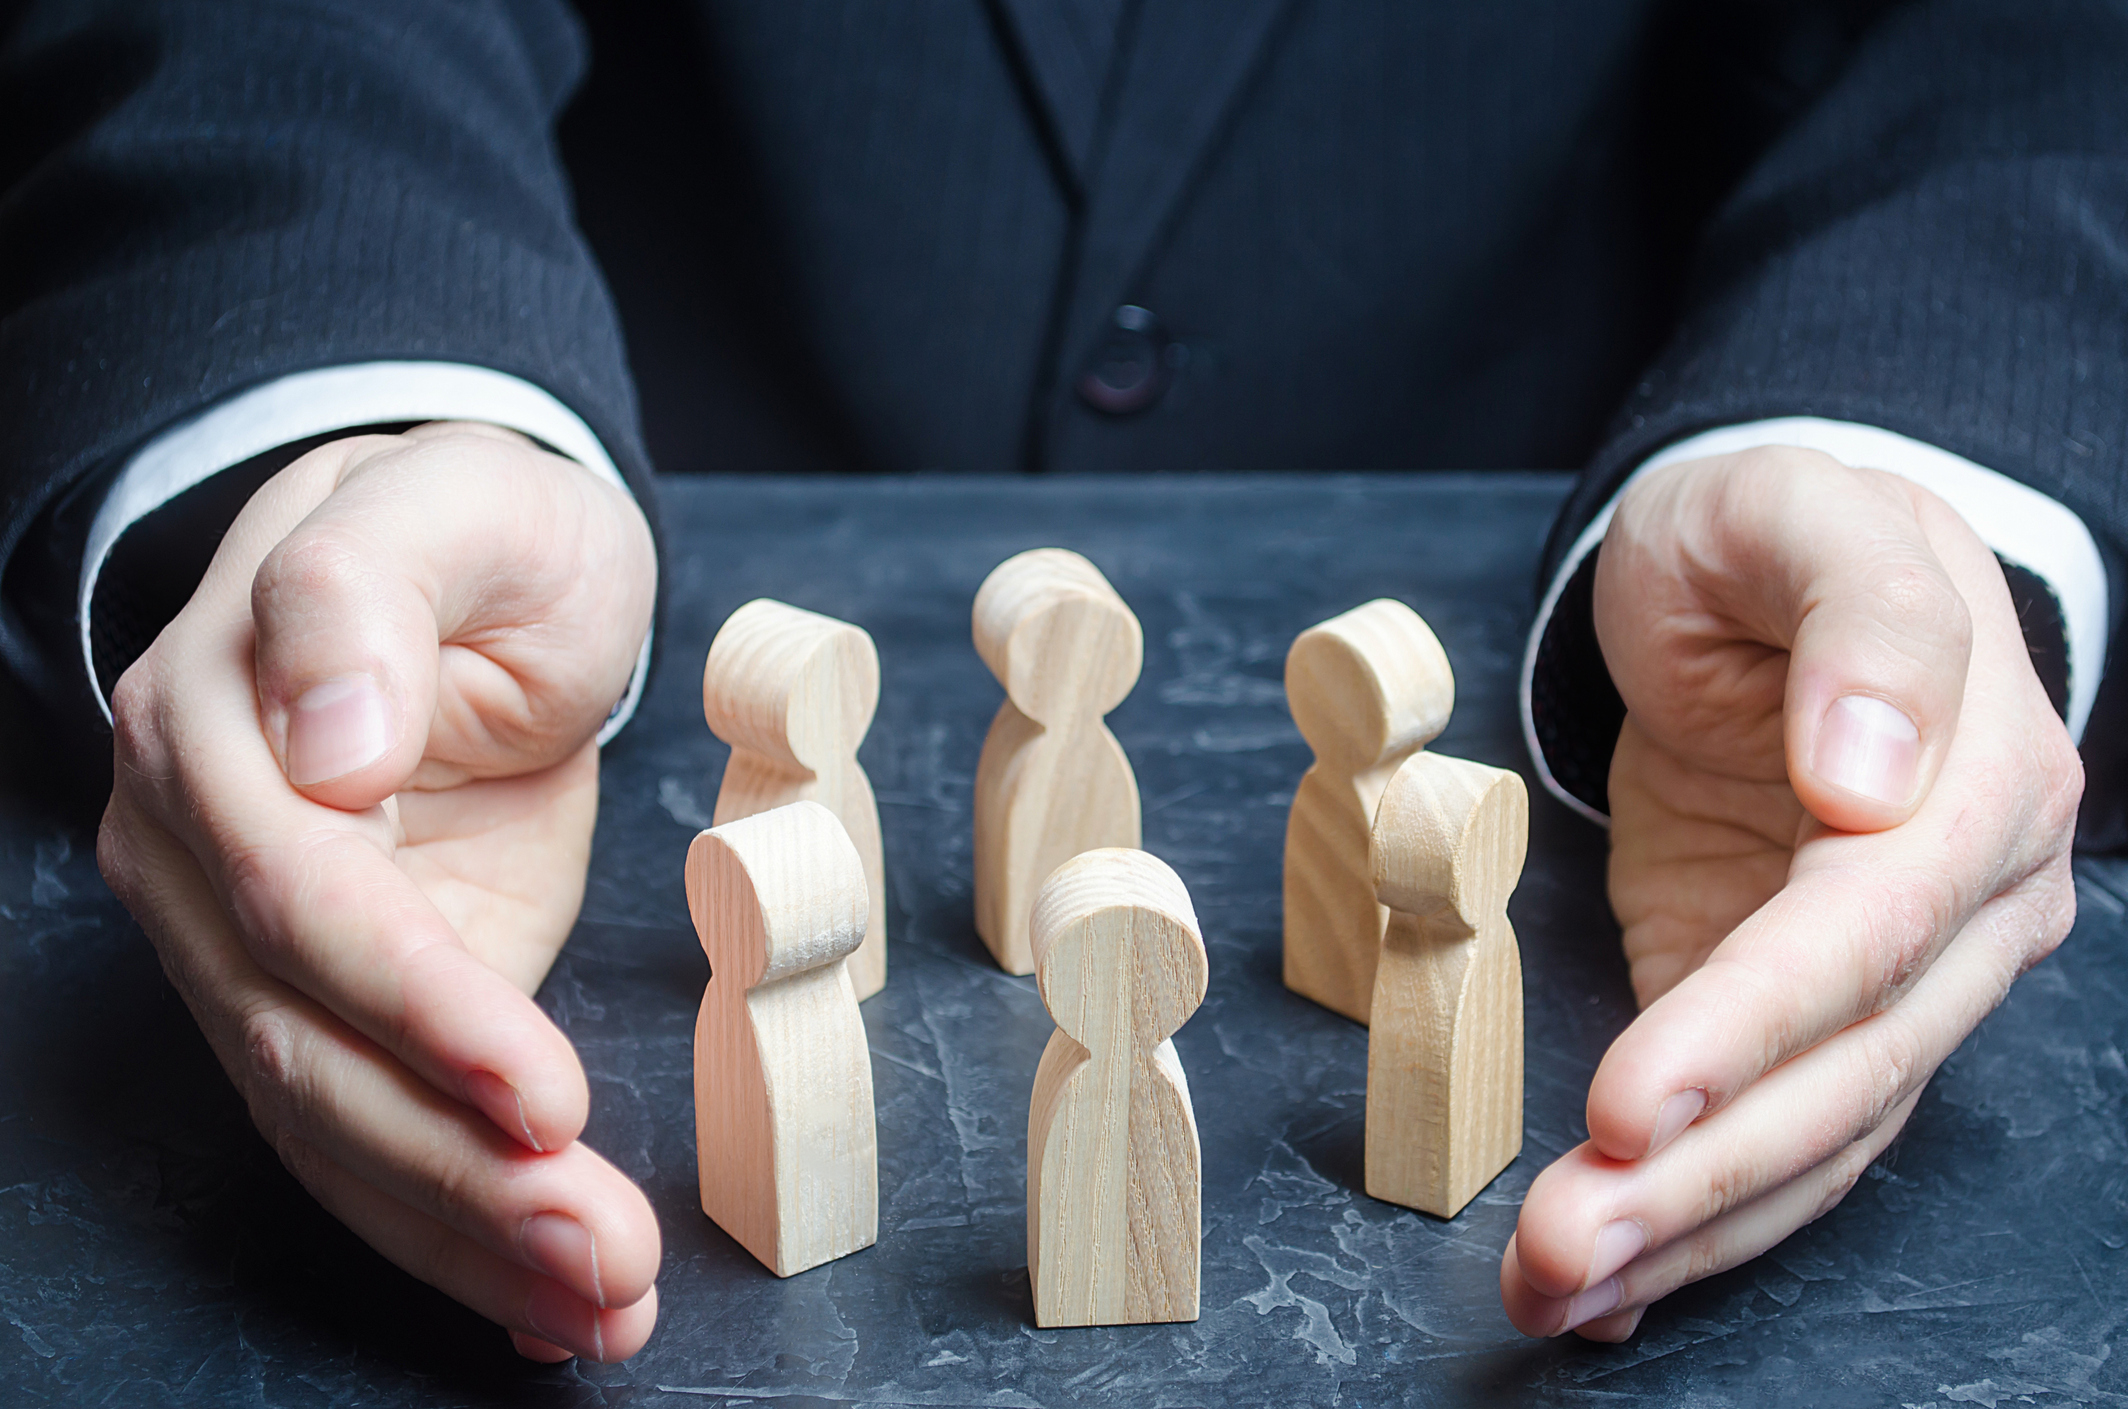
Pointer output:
1842, 809
352, 805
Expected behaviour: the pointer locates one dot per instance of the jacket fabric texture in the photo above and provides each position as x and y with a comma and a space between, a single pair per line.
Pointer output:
1076, 235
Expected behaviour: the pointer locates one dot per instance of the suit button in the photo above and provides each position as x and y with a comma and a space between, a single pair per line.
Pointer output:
1131, 369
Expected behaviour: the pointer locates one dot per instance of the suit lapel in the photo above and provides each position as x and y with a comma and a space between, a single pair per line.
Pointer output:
1065, 47
1183, 68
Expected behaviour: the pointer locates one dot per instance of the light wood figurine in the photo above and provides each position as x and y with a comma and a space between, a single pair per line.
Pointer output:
1114, 1175
1368, 689
784, 1135
1444, 1053
1052, 781
793, 693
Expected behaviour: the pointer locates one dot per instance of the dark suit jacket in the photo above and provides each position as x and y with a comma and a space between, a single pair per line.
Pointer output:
896, 236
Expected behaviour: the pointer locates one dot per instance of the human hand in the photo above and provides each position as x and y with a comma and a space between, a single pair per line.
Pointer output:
354, 793
1842, 809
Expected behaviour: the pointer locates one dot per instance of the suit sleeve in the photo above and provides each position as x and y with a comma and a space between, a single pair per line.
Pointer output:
1937, 246
198, 199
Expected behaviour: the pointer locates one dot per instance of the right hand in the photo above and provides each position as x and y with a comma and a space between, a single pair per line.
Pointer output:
354, 793
1842, 809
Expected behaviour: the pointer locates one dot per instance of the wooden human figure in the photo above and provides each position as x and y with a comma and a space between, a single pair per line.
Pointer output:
793, 693
1444, 1053
1368, 689
784, 1135
1052, 781
1114, 1176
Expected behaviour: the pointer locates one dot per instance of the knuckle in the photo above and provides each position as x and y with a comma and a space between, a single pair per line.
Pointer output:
1840, 1176
132, 698
1914, 914
454, 1188
259, 885
1759, 485
1779, 466
137, 721
271, 884
1895, 1060
1916, 597
298, 1156
2061, 773
2049, 902
1727, 1186
430, 1252
1706, 1253
118, 858
1747, 489
271, 1061
315, 562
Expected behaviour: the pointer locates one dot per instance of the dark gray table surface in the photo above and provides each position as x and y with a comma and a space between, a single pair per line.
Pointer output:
153, 1252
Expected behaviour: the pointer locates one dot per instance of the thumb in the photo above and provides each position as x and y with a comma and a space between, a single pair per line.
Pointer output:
346, 659
459, 597
1879, 640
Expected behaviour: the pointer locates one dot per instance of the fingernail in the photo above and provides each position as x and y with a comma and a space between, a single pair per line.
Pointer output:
1617, 1335
337, 727
1676, 1113
552, 1307
1599, 1300
499, 1101
1616, 1245
1869, 747
563, 1248
533, 1348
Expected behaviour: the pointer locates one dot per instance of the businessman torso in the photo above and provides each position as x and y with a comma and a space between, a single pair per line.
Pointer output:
897, 237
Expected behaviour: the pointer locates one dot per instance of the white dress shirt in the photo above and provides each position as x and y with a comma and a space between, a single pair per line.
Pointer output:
306, 404
2022, 526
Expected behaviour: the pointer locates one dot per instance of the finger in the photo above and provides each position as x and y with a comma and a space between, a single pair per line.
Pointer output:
1859, 925
533, 1348
1863, 916
1588, 1215
1615, 1329
1734, 1238
570, 1214
306, 1075
459, 584
329, 914
321, 903
528, 1304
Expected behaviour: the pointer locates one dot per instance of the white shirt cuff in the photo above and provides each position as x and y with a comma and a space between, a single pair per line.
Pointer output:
305, 404
2021, 525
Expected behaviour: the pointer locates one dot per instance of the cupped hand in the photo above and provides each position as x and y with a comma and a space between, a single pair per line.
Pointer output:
1842, 808
353, 802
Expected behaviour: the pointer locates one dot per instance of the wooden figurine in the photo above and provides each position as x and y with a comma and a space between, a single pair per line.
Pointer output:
784, 1135
1114, 1176
1052, 781
1368, 689
1444, 1053
793, 693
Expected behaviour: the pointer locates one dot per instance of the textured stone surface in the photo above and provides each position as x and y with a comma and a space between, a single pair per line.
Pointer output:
152, 1252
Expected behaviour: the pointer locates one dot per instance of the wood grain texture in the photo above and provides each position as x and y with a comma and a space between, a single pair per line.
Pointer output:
1052, 780
1444, 1053
1367, 689
784, 1134
793, 693
1114, 1172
